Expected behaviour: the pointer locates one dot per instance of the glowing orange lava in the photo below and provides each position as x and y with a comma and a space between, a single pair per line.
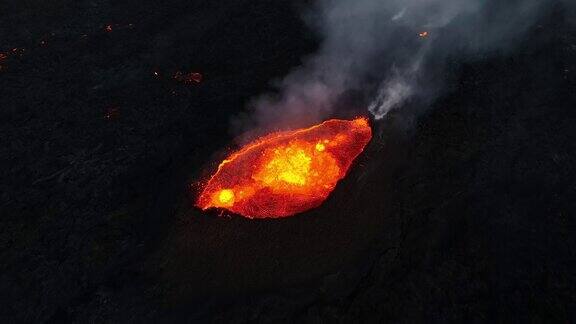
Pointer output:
286, 173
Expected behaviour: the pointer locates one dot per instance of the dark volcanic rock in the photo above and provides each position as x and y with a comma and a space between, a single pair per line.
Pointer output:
467, 215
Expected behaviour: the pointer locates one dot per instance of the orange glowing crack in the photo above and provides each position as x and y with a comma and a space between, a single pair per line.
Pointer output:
286, 173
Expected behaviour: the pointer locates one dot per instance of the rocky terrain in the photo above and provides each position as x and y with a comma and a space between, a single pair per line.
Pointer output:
463, 214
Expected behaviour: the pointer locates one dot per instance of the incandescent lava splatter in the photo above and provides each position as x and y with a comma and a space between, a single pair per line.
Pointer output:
286, 173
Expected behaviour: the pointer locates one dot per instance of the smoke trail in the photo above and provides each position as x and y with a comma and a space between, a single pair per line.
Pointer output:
392, 52
396, 90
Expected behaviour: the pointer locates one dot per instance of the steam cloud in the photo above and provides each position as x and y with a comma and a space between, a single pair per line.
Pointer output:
375, 48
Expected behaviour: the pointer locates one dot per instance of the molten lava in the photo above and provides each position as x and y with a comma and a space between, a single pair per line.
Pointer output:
287, 172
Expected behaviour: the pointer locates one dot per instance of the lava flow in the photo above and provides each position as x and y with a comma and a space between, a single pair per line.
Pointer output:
286, 173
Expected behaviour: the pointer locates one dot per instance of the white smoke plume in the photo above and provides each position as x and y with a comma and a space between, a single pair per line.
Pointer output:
392, 52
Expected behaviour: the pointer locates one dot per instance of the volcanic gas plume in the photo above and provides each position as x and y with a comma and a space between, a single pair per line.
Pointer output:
286, 173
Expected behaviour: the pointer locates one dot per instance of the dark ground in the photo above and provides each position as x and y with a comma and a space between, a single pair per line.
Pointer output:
469, 216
